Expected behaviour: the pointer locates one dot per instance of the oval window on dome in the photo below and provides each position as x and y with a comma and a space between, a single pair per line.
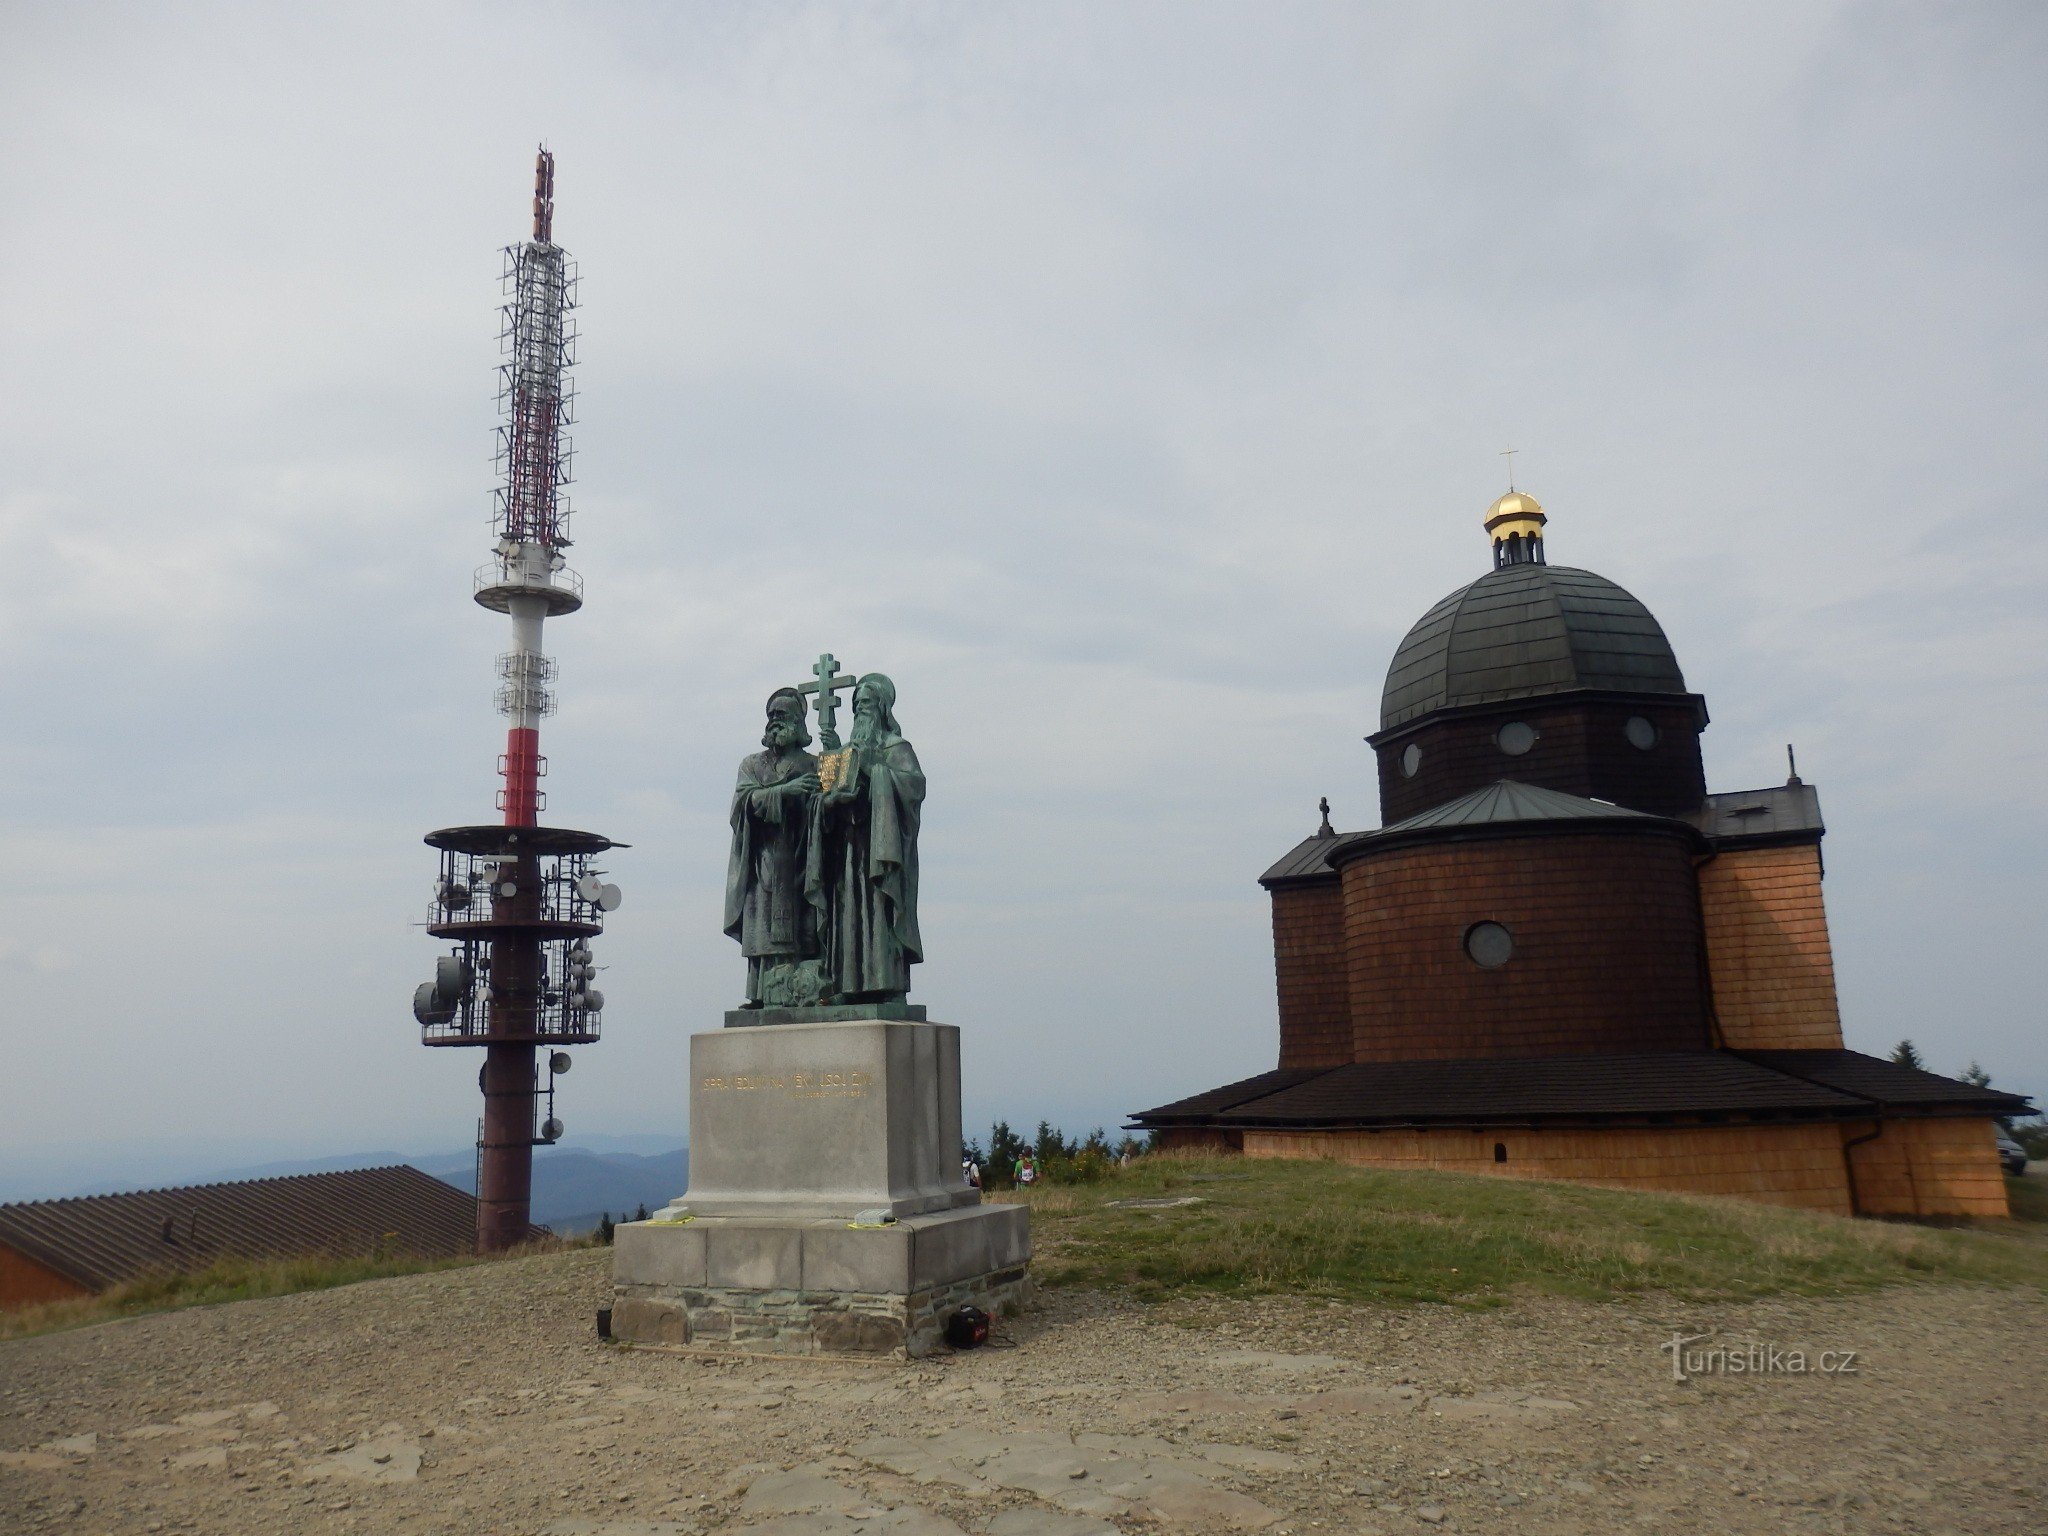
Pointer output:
1516, 737
1641, 732
1411, 759
1489, 944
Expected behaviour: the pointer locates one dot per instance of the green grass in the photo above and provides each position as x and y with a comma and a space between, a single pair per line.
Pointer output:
226, 1279
2029, 1199
1271, 1227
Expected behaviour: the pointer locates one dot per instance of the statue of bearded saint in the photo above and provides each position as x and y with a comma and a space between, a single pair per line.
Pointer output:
863, 869
769, 907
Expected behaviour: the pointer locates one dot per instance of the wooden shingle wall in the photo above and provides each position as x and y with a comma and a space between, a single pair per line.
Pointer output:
1197, 1138
1930, 1168
1767, 947
25, 1283
1607, 948
1308, 965
1796, 1165
1582, 748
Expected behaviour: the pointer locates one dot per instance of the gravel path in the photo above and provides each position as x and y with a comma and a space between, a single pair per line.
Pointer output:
480, 1400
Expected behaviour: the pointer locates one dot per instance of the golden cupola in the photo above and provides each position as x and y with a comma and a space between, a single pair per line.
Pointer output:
1515, 524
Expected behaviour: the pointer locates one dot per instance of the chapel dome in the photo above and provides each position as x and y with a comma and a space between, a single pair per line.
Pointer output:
1524, 630
1516, 506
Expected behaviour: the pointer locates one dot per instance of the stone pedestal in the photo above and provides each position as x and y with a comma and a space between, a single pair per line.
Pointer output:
826, 1211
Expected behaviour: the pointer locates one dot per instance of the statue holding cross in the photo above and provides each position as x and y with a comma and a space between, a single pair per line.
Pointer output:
842, 828
826, 681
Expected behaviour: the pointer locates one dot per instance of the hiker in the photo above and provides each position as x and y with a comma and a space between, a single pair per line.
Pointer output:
1027, 1170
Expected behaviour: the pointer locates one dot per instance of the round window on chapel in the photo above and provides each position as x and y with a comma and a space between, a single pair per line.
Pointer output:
1489, 944
1641, 733
1516, 737
1411, 759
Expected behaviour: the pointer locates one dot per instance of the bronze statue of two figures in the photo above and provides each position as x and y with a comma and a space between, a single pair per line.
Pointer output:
821, 887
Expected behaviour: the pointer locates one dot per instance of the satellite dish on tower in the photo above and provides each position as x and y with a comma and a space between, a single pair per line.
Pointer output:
452, 976
608, 898
558, 1063
593, 1000
590, 887
429, 1006
551, 1129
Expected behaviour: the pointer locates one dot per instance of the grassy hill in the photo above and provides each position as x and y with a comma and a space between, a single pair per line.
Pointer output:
1257, 1226
1171, 1227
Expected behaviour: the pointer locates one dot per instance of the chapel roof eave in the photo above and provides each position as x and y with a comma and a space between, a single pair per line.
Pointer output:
1508, 809
1719, 1086
1306, 863
1371, 844
1761, 818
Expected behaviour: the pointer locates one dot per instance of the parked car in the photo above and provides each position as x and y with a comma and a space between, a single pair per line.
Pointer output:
2012, 1154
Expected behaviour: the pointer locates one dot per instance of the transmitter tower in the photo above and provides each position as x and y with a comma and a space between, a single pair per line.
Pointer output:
520, 903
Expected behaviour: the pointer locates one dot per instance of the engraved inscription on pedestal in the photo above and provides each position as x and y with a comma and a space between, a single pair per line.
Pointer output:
825, 1120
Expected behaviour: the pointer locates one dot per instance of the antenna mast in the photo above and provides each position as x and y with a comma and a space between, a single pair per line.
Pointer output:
522, 901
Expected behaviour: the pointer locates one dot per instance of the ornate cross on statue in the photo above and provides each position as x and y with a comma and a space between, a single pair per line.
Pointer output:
825, 685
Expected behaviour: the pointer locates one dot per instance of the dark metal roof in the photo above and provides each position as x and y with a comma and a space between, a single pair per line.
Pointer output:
1659, 1083
1831, 1085
493, 838
1783, 813
101, 1240
1888, 1083
1505, 808
1504, 801
1306, 860
1524, 630
1203, 1106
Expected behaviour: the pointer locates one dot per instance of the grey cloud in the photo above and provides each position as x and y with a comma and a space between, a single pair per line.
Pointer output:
1123, 379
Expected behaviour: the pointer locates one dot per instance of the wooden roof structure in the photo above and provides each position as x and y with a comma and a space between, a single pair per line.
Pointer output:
101, 1240
1645, 1088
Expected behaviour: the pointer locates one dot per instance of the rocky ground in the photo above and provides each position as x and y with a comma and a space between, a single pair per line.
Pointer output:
481, 1400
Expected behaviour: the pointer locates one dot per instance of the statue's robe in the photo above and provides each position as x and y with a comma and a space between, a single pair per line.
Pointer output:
865, 874
768, 907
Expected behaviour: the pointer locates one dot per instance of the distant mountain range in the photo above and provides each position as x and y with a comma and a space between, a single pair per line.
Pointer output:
572, 1186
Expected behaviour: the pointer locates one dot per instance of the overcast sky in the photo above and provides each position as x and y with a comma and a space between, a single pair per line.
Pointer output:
1123, 379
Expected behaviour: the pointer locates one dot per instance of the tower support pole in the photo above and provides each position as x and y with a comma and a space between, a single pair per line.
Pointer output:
504, 1192
504, 1185
524, 694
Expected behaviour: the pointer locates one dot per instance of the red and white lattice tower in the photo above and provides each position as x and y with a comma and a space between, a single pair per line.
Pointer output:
521, 901
530, 579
